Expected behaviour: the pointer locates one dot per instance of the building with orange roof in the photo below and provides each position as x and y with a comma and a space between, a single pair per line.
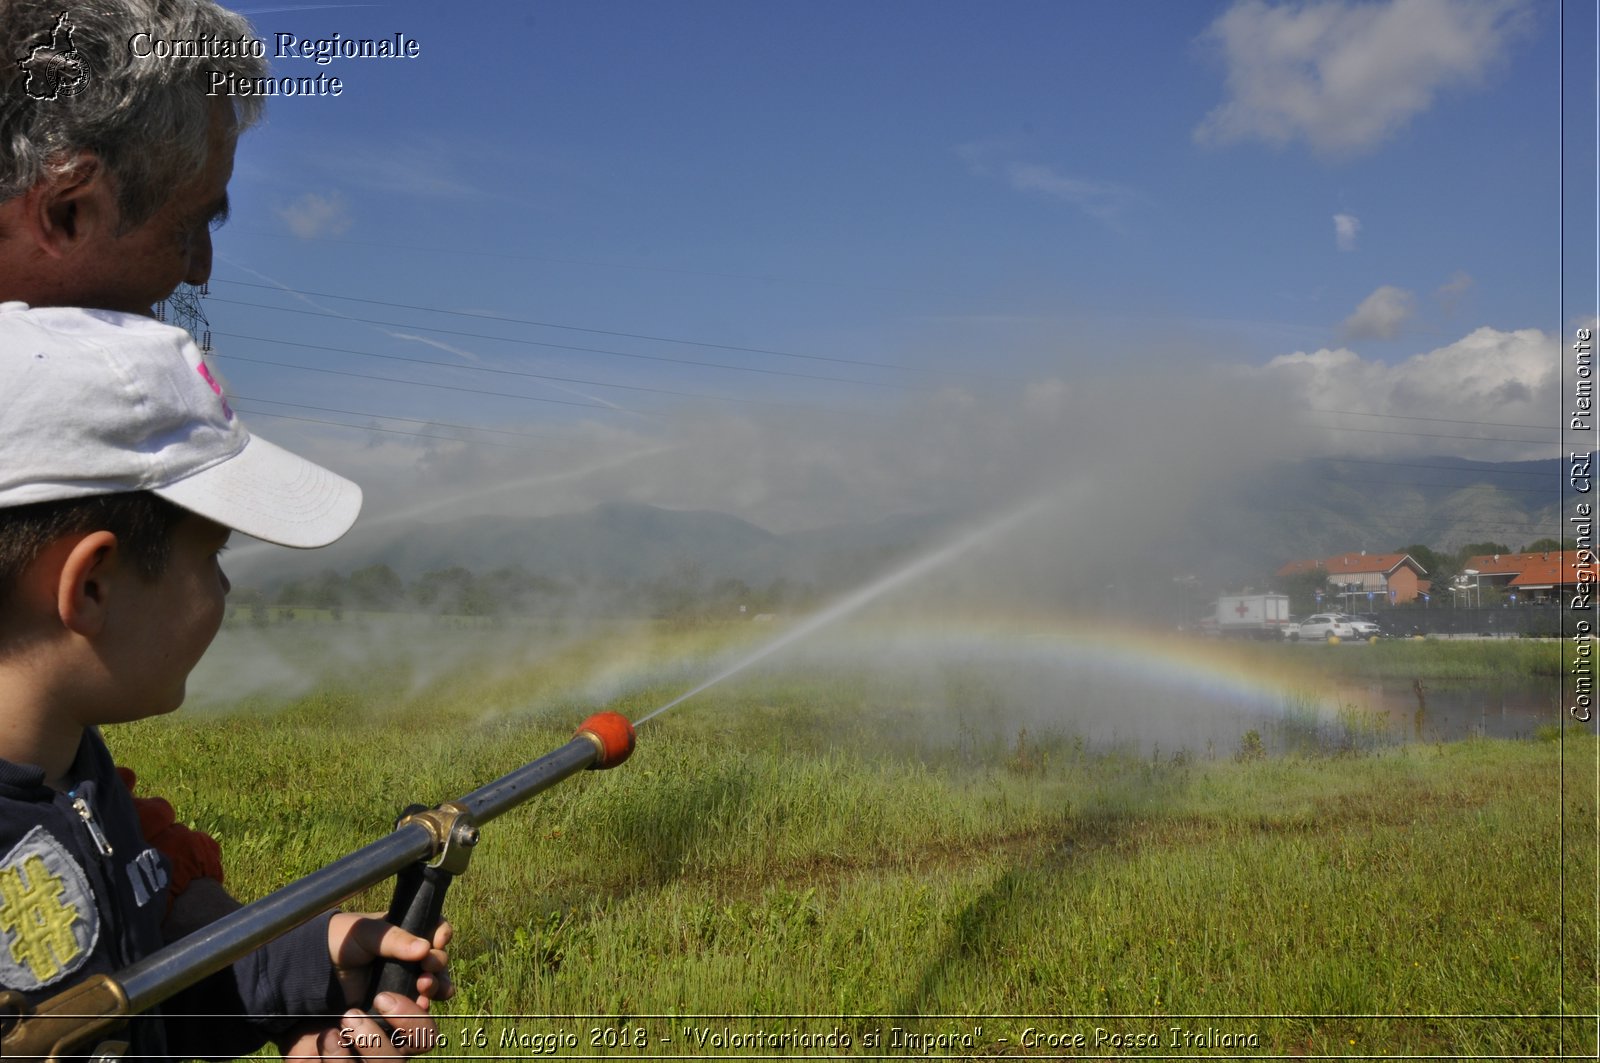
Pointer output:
1359, 577
1538, 576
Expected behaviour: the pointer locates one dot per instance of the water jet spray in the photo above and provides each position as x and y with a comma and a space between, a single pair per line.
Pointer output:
862, 597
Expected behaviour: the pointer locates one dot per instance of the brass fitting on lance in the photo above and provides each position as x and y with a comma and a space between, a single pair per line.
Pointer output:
454, 835
60, 1026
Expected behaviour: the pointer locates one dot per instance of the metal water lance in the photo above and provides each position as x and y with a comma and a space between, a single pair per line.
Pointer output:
427, 849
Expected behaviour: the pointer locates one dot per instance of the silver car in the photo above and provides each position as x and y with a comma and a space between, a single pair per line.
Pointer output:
1327, 626
1365, 629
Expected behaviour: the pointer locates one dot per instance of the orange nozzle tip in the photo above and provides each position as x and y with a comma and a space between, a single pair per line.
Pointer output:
613, 733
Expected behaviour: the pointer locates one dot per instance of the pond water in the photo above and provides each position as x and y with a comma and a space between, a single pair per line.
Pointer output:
1443, 710
1160, 702
1153, 716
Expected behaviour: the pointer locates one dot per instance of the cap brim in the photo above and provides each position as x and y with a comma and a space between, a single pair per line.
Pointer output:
271, 494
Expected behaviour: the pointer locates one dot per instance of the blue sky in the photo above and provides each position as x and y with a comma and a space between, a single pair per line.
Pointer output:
1017, 230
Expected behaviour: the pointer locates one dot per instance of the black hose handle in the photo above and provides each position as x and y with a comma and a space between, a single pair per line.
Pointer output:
417, 907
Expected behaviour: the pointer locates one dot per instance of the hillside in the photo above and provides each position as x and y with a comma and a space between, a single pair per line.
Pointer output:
615, 543
1313, 508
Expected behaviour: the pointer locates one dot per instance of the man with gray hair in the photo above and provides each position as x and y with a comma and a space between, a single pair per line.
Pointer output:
114, 165
115, 157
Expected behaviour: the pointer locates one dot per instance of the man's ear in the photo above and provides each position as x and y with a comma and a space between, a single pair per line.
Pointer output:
61, 213
84, 583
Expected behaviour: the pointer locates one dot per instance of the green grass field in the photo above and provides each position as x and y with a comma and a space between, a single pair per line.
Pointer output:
803, 843
1431, 658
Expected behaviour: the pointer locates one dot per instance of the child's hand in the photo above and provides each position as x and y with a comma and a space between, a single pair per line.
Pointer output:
355, 942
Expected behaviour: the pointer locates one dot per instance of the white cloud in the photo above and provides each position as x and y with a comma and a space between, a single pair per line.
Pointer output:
1451, 291
1345, 228
424, 167
980, 155
1489, 384
1381, 314
312, 216
1102, 200
1098, 199
1343, 75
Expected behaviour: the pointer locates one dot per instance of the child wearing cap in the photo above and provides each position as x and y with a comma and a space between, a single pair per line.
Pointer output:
123, 471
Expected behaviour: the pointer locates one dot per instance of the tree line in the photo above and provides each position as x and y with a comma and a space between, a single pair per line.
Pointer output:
685, 593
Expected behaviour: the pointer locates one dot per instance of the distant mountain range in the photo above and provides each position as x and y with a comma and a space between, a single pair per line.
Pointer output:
1293, 510
619, 543
1315, 508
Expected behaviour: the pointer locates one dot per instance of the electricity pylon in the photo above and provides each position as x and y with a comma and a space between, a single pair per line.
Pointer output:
182, 308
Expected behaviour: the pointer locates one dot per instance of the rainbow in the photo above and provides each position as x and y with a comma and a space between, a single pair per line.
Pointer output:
1086, 676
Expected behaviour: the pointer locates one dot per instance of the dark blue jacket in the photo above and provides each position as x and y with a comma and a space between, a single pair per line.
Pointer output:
81, 893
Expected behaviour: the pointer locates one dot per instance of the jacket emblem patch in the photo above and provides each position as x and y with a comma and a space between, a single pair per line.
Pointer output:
48, 920
148, 876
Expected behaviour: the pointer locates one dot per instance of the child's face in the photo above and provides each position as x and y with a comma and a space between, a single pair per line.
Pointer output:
163, 626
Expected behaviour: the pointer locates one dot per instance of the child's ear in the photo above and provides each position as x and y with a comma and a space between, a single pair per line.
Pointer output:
84, 583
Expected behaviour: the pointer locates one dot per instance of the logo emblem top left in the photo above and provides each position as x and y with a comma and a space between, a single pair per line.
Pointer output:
54, 67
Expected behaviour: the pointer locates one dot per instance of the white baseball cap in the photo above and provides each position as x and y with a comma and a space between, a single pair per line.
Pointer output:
95, 402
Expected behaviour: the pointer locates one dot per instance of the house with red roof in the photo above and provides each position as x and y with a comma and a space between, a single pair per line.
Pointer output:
1533, 577
1358, 577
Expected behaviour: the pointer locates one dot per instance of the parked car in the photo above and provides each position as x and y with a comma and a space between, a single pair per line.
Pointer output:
1327, 626
1291, 630
1366, 627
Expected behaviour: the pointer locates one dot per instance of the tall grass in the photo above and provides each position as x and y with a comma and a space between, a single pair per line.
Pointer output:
815, 845
1426, 658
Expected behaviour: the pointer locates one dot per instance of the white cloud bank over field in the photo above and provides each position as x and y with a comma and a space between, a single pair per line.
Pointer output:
1490, 385
1147, 438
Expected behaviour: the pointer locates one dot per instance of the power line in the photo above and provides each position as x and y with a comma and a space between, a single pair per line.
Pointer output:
424, 384
569, 347
678, 270
777, 353
578, 328
387, 431
391, 417
504, 372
